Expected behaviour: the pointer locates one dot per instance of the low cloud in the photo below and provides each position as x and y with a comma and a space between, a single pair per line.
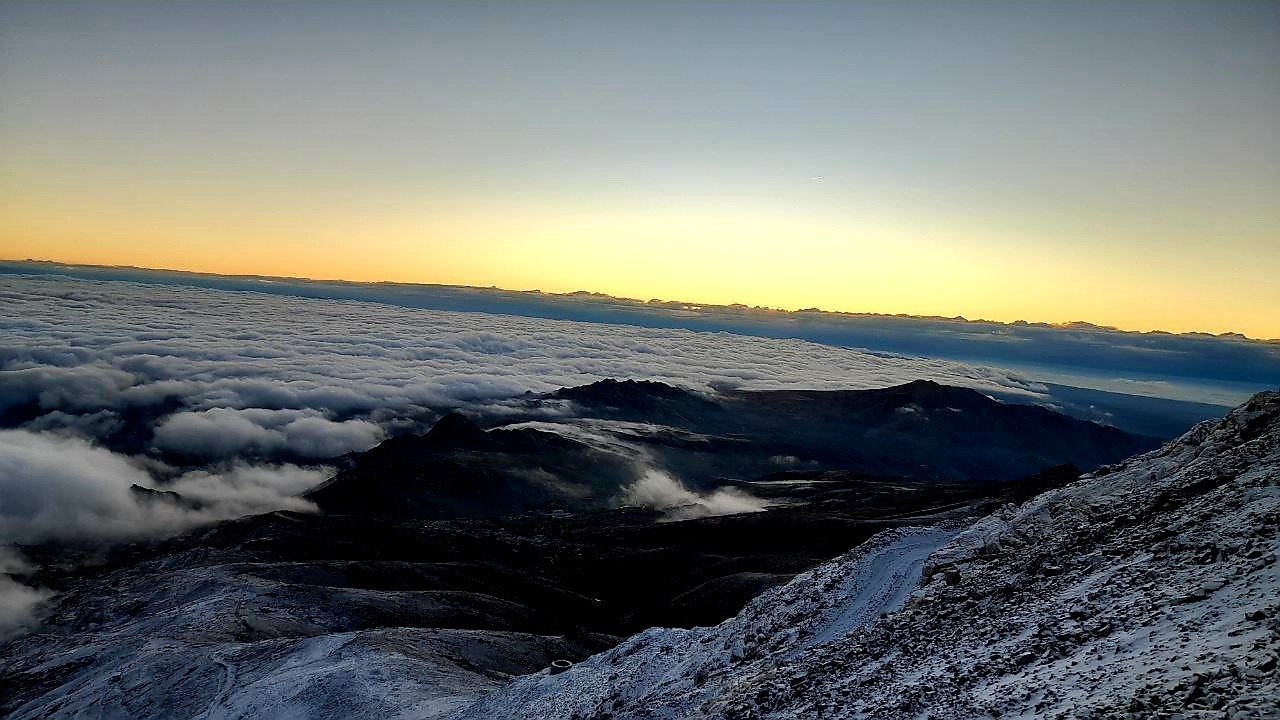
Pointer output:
227, 432
58, 488
87, 387
658, 490
17, 601
63, 488
245, 489
55, 488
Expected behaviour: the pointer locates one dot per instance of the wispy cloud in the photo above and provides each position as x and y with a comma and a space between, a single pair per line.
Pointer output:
58, 488
660, 491
17, 601
55, 488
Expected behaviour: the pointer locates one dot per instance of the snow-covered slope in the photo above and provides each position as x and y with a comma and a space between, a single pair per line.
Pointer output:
205, 642
1142, 590
681, 669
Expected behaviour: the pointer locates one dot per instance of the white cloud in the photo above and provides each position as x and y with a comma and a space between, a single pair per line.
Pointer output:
72, 388
658, 490
316, 437
227, 433
245, 490
220, 432
61, 487
120, 344
17, 602
58, 488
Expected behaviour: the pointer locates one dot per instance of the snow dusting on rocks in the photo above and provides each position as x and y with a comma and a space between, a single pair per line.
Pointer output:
1149, 589
681, 669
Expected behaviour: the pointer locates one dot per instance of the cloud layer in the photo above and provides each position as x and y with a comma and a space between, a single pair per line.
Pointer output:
1218, 369
64, 489
219, 395
212, 393
229, 432
80, 353
59, 488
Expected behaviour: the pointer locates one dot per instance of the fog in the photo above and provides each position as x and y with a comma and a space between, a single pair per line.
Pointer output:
660, 491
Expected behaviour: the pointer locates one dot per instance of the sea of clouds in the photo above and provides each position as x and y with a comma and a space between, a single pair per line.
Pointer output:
227, 372
237, 399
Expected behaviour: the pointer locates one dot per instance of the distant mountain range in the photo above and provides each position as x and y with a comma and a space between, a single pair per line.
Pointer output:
682, 306
1199, 367
617, 431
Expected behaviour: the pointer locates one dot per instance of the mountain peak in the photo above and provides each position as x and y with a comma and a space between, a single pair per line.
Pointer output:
610, 388
455, 430
1257, 416
931, 393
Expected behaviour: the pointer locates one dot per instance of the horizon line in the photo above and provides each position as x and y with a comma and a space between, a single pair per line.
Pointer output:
684, 304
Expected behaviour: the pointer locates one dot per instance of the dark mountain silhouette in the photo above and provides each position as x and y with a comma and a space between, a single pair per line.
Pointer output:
458, 470
920, 430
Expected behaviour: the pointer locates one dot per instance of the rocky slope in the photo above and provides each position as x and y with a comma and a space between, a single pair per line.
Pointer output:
1147, 589
346, 616
371, 615
919, 428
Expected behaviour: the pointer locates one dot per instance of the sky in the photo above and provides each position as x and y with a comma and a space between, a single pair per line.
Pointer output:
1112, 162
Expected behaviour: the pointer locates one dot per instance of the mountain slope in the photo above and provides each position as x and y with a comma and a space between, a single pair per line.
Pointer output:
920, 428
312, 615
354, 614
1145, 589
603, 437
459, 470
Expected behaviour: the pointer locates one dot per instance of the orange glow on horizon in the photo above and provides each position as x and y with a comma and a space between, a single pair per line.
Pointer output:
887, 276
1094, 164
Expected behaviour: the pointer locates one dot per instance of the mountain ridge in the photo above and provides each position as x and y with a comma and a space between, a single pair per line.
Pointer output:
618, 431
684, 305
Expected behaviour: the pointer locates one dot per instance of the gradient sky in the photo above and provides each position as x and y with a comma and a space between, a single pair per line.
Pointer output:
1104, 161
